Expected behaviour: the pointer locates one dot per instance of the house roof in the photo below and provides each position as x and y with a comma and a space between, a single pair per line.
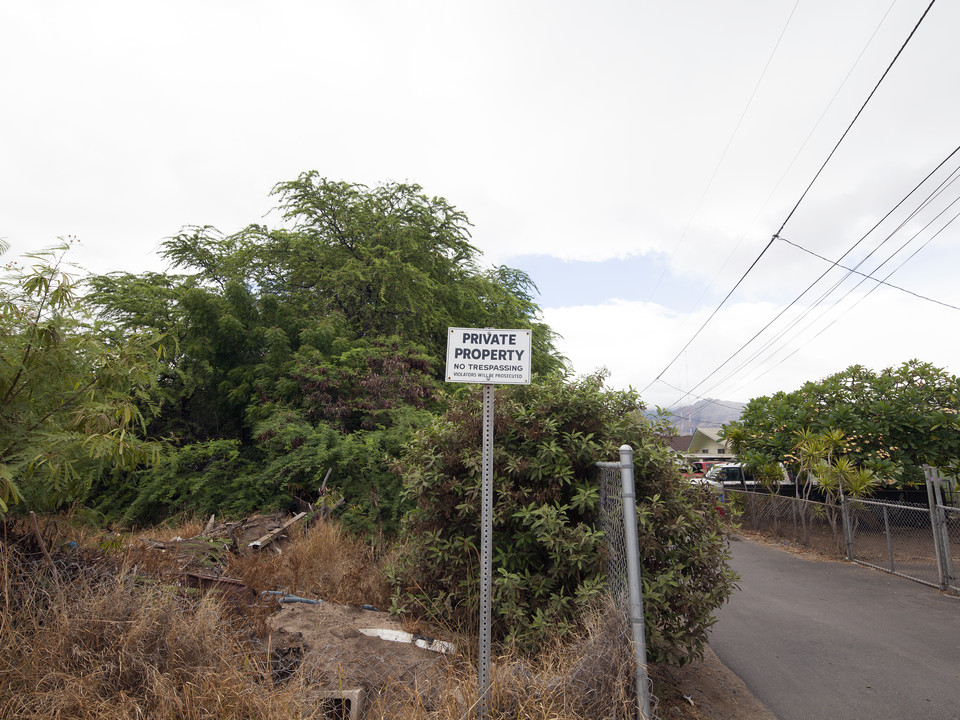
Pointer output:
713, 433
681, 443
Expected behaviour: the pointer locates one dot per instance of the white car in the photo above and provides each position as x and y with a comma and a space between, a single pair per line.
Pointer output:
734, 476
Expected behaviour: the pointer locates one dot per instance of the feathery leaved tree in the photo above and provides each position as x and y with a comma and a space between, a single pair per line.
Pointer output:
73, 405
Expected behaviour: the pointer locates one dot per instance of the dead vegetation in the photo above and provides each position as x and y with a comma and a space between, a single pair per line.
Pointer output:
110, 643
118, 636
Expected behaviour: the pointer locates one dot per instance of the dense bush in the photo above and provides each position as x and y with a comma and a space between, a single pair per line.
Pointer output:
295, 351
548, 545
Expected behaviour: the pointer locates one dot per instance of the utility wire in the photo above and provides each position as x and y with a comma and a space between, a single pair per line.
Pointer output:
797, 204
726, 149
869, 276
835, 320
826, 272
854, 288
800, 149
856, 117
709, 401
767, 345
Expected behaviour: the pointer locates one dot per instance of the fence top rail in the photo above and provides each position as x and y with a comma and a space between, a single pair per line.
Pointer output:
608, 465
774, 496
898, 505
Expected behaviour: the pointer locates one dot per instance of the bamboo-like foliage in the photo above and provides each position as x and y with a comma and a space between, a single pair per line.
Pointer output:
73, 405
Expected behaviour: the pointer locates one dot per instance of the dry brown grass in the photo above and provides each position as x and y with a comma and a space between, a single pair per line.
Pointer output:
116, 642
321, 561
586, 676
112, 646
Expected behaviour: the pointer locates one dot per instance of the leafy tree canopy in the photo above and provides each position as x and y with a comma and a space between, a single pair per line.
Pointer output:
336, 322
386, 261
889, 422
73, 405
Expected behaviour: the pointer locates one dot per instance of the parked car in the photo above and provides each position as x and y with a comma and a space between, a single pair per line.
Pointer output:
702, 466
735, 476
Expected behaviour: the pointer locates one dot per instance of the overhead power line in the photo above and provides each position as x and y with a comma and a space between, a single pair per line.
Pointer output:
809, 287
836, 319
709, 401
869, 276
726, 149
847, 294
796, 205
796, 155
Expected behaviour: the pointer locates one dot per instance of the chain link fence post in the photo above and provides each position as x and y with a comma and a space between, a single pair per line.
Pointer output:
847, 528
618, 515
633, 579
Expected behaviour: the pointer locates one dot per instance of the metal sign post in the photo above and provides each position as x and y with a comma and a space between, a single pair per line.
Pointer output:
486, 552
487, 356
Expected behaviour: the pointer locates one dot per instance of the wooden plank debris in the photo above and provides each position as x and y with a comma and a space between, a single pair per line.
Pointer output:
274, 534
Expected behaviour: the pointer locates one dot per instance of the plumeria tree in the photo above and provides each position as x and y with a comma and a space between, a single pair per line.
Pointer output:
889, 423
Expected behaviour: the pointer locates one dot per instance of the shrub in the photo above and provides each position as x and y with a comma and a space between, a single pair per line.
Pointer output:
548, 545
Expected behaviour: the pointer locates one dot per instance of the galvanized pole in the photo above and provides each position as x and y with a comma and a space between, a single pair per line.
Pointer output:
935, 527
486, 552
886, 529
633, 580
937, 482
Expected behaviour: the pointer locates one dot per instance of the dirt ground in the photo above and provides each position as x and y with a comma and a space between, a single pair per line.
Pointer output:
340, 645
706, 690
328, 639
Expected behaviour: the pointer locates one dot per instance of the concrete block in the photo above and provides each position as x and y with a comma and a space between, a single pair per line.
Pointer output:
341, 704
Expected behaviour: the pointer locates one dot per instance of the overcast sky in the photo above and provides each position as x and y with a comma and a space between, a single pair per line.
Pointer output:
633, 157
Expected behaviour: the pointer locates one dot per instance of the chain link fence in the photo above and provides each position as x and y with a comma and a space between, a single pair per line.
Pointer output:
610, 479
906, 539
897, 538
814, 525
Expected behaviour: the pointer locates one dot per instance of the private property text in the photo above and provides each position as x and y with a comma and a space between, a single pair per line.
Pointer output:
488, 356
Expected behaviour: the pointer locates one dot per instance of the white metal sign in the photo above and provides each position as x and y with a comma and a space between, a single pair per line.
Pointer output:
484, 355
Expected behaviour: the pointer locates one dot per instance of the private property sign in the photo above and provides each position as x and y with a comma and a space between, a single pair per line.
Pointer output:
488, 356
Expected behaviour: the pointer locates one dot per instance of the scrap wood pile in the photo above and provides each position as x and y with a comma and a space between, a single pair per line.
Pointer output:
252, 533
200, 561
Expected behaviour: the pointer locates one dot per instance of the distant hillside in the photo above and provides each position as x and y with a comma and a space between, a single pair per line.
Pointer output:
706, 413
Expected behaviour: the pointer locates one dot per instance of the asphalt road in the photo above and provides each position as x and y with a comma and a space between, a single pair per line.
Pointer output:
834, 640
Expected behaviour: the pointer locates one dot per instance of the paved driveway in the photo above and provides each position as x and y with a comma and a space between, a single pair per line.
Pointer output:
835, 640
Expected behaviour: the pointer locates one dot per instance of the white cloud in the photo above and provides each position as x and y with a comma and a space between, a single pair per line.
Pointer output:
635, 341
580, 132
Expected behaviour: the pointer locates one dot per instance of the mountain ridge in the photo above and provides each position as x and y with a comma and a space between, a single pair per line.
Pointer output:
708, 412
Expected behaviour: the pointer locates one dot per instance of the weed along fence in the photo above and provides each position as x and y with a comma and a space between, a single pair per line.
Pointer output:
919, 542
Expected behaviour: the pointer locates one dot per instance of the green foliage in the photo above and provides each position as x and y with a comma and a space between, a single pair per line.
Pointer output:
548, 546
73, 405
889, 423
361, 387
308, 347
384, 261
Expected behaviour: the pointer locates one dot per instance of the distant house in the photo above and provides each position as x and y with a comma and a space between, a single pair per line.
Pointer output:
680, 444
701, 450
706, 443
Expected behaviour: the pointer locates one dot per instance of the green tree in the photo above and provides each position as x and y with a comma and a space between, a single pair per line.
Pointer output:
320, 345
376, 262
889, 423
73, 404
549, 547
